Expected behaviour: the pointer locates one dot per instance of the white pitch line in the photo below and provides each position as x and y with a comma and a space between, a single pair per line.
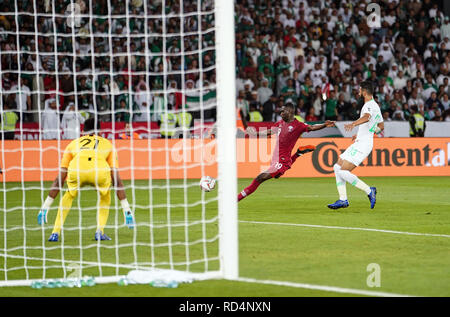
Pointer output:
323, 288
348, 228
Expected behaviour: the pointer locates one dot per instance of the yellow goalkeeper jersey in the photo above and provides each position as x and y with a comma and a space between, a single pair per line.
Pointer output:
89, 152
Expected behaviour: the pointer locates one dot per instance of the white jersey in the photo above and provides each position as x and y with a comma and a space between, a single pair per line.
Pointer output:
358, 151
366, 130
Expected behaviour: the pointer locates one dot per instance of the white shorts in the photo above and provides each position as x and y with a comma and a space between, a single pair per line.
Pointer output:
356, 153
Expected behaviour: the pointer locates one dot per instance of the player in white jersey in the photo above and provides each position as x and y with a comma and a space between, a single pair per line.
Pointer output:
370, 122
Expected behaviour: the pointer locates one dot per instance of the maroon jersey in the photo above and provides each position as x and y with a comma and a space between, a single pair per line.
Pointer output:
288, 134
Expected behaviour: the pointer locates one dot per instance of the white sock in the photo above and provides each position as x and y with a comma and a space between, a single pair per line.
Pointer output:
363, 186
47, 203
125, 205
354, 180
340, 183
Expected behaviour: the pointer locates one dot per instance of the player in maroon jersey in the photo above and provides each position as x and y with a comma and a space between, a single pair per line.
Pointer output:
289, 130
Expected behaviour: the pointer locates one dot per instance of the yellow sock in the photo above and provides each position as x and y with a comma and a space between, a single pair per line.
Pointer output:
63, 211
103, 211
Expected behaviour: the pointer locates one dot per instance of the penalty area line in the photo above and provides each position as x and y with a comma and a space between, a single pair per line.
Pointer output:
348, 228
325, 288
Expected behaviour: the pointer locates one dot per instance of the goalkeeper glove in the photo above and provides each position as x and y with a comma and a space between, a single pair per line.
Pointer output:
129, 216
42, 216
129, 219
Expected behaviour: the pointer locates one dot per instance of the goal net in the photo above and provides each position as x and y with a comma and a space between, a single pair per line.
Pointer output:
159, 78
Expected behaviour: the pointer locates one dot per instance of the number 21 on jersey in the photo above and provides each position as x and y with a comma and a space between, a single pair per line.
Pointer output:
85, 142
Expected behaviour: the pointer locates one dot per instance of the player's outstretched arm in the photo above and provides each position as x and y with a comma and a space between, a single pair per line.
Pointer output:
264, 132
326, 124
121, 194
58, 183
365, 118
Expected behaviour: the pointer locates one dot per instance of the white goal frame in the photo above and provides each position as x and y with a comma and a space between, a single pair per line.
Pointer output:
226, 138
226, 151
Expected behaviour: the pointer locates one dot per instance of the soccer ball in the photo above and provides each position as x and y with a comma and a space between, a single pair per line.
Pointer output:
207, 183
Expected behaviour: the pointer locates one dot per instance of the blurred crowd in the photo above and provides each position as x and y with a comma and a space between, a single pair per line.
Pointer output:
315, 53
127, 63
124, 63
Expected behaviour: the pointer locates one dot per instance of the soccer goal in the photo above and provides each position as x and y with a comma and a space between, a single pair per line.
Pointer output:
138, 67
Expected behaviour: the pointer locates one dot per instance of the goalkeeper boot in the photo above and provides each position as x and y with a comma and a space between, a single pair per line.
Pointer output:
101, 236
54, 237
305, 149
339, 204
42, 216
129, 219
372, 197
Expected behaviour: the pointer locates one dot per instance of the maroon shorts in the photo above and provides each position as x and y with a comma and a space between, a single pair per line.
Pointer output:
277, 169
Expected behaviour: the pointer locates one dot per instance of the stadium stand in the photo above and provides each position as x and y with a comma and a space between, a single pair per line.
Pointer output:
313, 53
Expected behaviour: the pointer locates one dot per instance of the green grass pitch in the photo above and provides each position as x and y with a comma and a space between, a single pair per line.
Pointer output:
286, 234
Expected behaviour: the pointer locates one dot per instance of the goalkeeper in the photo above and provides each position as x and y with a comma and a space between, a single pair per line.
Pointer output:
88, 160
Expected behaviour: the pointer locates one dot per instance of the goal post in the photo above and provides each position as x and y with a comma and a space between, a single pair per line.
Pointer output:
226, 138
107, 51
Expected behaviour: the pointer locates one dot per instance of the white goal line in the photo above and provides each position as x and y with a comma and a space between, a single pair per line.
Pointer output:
322, 288
348, 228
